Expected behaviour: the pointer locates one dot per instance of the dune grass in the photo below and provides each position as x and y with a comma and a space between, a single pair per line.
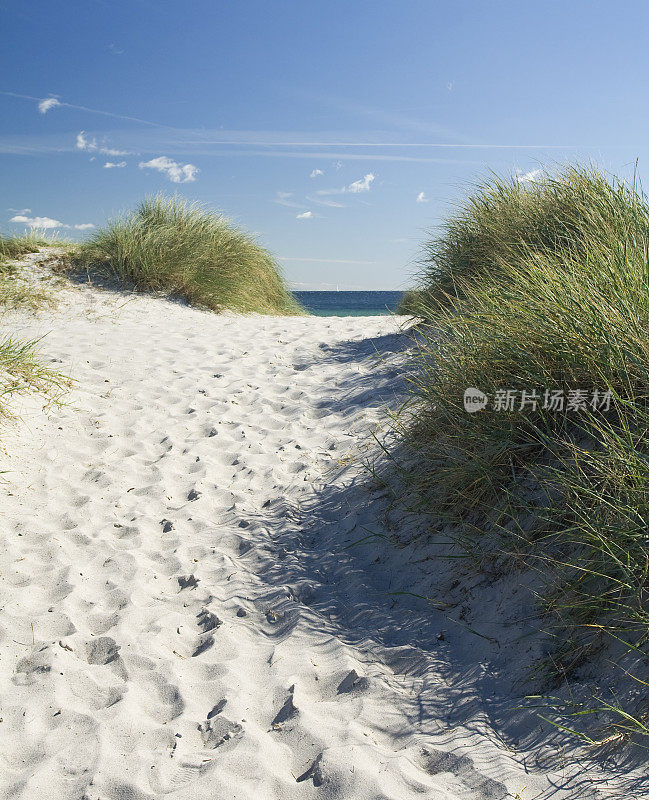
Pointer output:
14, 291
504, 220
169, 245
16, 246
536, 287
21, 368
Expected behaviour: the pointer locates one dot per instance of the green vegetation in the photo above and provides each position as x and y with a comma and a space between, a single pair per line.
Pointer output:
505, 220
21, 370
183, 249
537, 286
20, 367
409, 303
14, 291
16, 246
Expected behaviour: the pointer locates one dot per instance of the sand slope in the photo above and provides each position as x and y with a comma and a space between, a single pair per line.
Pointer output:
179, 615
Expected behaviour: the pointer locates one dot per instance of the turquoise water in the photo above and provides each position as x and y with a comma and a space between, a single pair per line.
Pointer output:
349, 304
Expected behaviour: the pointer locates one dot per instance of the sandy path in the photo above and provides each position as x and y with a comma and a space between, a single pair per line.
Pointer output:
179, 617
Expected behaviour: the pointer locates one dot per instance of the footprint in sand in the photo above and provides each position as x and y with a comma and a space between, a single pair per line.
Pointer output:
287, 711
475, 785
161, 700
187, 582
352, 682
314, 773
33, 666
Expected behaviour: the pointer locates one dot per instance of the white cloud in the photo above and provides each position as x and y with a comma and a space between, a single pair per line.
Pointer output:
362, 185
531, 176
44, 223
83, 143
20, 210
177, 173
284, 199
321, 202
49, 102
114, 165
315, 173
91, 146
47, 223
305, 215
421, 197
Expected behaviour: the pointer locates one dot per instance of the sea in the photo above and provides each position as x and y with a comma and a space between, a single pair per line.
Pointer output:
349, 304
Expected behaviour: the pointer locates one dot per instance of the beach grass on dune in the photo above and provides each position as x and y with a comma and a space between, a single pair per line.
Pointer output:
410, 303
15, 292
183, 249
16, 246
21, 367
534, 287
565, 214
22, 370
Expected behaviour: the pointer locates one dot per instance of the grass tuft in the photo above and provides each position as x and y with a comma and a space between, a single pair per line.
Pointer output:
15, 292
505, 220
21, 369
16, 246
533, 287
183, 249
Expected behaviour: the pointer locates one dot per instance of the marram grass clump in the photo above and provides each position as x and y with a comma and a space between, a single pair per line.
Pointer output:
15, 246
535, 288
183, 249
15, 291
21, 368
561, 215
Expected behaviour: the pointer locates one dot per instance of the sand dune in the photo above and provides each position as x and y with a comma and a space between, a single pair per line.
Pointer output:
180, 616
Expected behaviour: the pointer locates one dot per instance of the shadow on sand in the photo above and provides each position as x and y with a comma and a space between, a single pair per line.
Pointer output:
348, 564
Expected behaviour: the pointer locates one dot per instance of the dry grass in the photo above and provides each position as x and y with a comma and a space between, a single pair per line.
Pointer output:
183, 249
21, 369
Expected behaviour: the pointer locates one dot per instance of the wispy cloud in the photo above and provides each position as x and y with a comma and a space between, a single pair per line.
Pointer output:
20, 210
421, 197
315, 173
177, 173
47, 223
49, 102
91, 146
114, 164
284, 199
356, 187
305, 215
322, 202
90, 110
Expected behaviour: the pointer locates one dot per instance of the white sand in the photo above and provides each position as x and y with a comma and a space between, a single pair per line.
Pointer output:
179, 617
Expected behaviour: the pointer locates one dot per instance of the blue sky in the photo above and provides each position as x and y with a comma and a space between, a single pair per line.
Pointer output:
339, 132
